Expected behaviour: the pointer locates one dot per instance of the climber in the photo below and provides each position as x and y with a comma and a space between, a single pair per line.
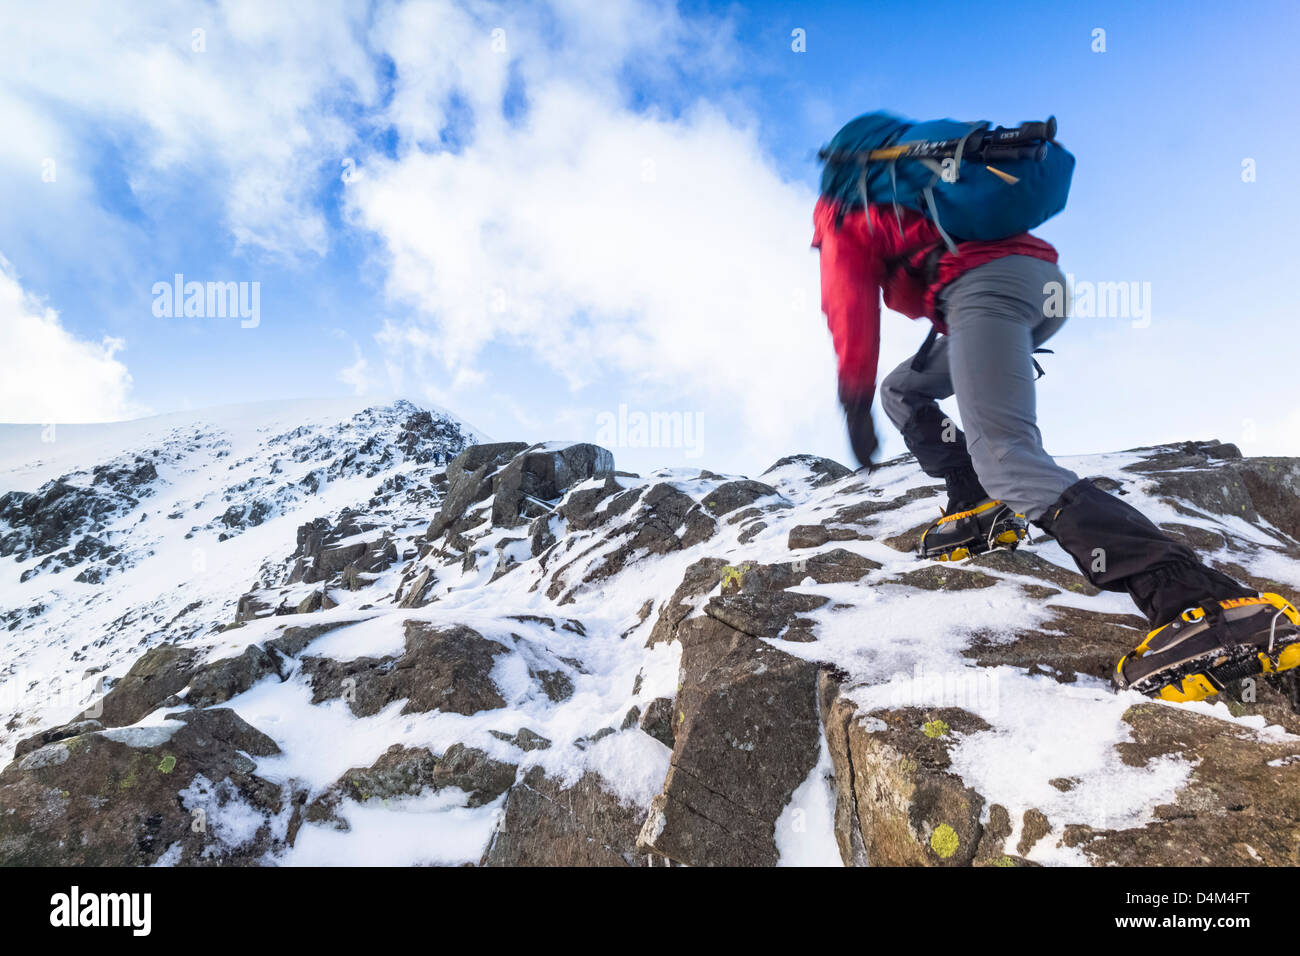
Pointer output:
887, 226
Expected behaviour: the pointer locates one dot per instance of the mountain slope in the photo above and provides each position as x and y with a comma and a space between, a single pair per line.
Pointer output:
404, 645
115, 538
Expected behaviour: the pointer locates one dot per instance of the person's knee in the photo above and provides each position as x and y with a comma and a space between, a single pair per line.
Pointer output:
999, 445
894, 399
1048, 327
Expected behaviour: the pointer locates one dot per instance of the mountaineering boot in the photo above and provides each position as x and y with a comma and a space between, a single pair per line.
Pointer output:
988, 525
1212, 645
964, 489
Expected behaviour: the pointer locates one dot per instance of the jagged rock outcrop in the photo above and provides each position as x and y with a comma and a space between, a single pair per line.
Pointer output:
46, 520
700, 578
164, 672
442, 668
824, 470
537, 477
185, 791
746, 736
655, 521
408, 772
731, 496
469, 481
159, 674
548, 824
77, 506
343, 554
1240, 807
897, 802
657, 721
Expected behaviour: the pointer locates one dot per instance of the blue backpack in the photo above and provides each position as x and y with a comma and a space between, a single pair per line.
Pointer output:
972, 182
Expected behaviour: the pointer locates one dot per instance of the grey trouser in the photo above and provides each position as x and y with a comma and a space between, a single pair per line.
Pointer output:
996, 318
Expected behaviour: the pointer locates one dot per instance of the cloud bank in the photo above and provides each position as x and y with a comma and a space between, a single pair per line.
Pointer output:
49, 375
663, 251
518, 189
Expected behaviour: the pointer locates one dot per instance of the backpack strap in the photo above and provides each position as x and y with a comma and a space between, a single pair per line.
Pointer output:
928, 192
862, 190
927, 270
923, 353
893, 184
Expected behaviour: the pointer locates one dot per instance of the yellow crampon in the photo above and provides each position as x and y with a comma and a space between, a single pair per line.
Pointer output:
977, 510
1199, 685
1008, 538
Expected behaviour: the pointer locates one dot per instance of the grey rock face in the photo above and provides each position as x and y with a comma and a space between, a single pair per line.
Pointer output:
96, 799
548, 824
540, 475
746, 735
442, 668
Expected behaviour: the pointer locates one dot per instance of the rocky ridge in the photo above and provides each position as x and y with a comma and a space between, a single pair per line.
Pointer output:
517, 655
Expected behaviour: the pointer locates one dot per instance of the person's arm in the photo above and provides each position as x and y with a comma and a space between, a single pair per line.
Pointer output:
850, 279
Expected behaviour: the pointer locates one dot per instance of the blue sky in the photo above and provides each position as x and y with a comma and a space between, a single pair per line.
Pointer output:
563, 209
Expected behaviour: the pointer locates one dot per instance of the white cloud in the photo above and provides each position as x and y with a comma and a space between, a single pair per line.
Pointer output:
253, 114
357, 375
47, 374
665, 250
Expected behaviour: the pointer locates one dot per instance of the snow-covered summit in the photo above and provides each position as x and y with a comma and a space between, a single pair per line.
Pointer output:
113, 536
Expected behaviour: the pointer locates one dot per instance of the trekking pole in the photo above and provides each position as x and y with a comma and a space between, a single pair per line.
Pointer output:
1024, 134
992, 154
1026, 141
981, 151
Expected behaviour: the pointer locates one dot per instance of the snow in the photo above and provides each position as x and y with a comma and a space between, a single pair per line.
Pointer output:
373, 638
229, 820
431, 829
170, 857
553, 446
805, 831
144, 736
318, 742
1047, 731
631, 764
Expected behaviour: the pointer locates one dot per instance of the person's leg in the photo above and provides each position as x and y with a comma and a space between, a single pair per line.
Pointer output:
995, 319
910, 396
1117, 548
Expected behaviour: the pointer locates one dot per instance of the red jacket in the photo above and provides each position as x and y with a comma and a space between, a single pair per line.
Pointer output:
854, 264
